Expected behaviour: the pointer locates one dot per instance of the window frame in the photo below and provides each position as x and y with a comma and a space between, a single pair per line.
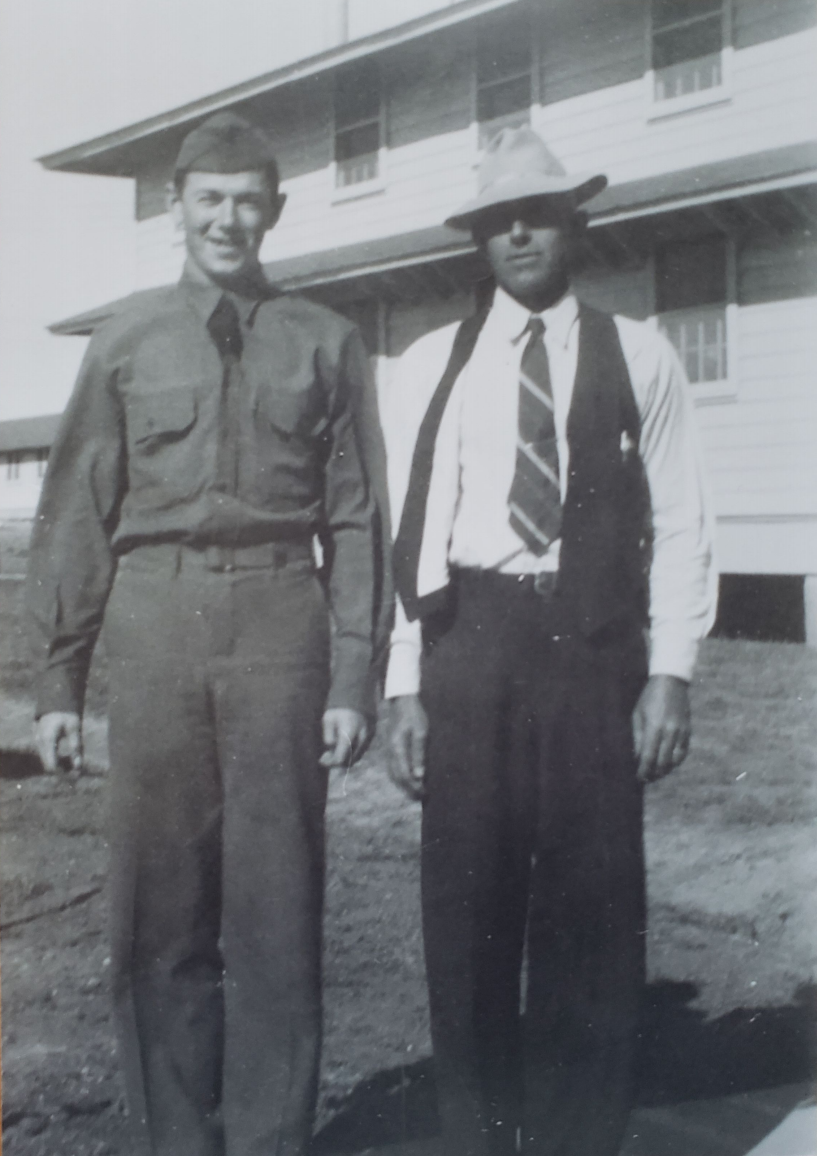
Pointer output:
723, 389
377, 184
660, 108
535, 82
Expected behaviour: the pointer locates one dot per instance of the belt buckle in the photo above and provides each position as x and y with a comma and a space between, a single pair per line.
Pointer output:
544, 583
219, 559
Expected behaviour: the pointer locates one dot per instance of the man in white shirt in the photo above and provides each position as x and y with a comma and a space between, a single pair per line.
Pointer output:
553, 565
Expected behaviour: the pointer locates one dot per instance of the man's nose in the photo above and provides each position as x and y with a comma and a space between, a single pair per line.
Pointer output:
226, 216
520, 233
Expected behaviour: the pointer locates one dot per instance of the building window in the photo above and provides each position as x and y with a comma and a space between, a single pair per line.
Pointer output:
358, 123
504, 77
688, 38
13, 462
42, 462
691, 301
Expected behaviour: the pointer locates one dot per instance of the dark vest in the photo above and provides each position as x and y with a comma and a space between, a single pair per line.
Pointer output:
606, 517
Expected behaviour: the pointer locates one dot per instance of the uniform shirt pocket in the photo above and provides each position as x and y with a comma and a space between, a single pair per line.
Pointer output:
298, 413
154, 419
168, 455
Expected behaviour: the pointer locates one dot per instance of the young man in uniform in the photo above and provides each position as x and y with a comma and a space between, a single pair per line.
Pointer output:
218, 427
544, 475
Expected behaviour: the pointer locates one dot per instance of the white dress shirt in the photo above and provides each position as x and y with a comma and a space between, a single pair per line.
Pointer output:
482, 420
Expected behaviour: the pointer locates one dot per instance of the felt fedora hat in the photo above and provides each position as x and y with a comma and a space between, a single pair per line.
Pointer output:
518, 165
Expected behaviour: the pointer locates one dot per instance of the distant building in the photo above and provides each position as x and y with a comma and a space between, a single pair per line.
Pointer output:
702, 116
24, 446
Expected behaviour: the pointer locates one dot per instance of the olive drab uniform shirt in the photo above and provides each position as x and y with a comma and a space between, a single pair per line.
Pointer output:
140, 459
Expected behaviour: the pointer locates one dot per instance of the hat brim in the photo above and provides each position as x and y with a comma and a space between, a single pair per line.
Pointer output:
523, 187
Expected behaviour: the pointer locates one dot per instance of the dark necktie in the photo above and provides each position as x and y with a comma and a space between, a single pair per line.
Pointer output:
224, 327
534, 501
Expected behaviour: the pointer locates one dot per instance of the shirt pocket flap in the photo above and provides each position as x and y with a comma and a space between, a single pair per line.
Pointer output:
167, 414
292, 412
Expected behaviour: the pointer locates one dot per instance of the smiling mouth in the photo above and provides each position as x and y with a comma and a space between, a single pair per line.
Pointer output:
224, 246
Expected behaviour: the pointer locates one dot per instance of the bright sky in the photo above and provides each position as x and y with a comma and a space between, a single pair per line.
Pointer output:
73, 69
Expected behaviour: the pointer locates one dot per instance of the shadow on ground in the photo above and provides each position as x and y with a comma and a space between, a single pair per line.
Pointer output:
19, 765
684, 1057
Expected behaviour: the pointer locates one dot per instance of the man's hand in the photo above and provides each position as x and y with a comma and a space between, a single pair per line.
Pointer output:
661, 726
58, 738
345, 733
408, 728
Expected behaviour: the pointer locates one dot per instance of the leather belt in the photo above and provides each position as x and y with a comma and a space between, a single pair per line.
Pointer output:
221, 559
544, 584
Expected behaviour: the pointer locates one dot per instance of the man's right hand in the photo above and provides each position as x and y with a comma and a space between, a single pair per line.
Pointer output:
408, 728
58, 738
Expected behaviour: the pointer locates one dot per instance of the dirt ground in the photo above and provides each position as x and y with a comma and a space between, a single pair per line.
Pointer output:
732, 951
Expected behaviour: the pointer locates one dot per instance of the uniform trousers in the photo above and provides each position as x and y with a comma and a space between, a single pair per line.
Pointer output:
218, 680
531, 850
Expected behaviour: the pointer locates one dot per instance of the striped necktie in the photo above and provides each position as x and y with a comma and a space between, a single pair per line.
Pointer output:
535, 500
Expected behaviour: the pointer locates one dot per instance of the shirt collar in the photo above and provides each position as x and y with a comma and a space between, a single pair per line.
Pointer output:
513, 318
204, 296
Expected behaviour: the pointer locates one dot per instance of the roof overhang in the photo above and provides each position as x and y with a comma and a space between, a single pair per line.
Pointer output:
121, 153
774, 190
28, 433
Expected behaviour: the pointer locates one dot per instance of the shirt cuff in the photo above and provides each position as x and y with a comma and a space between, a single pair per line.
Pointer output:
673, 654
352, 685
403, 672
60, 688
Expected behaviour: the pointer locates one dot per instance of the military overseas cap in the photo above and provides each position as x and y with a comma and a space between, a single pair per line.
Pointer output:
226, 143
517, 166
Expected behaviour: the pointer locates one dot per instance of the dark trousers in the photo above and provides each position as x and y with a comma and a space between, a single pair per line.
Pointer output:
217, 687
531, 847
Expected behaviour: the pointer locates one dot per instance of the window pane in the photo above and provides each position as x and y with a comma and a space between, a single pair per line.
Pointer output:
504, 49
702, 38
699, 336
503, 99
357, 94
689, 76
691, 273
672, 11
356, 153
356, 142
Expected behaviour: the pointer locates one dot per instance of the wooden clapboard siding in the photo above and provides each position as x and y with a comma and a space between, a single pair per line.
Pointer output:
769, 103
429, 88
760, 450
590, 48
159, 253
771, 269
754, 21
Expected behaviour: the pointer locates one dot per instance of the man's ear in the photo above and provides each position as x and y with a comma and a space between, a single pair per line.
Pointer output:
276, 208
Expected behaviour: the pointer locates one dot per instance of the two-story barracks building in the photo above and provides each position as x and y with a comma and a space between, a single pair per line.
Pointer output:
700, 111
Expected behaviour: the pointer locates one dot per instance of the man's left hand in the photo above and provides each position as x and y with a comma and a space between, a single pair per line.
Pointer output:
661, 726
345, 733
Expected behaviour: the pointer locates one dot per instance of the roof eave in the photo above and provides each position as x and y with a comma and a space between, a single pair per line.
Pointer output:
107, 155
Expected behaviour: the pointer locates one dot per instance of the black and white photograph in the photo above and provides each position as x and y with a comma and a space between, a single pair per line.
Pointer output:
408, 577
